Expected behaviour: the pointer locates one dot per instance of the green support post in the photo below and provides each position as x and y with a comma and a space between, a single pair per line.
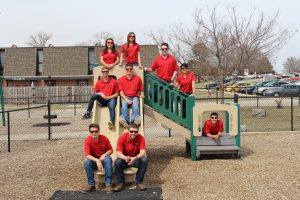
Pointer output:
2, 102
238, 137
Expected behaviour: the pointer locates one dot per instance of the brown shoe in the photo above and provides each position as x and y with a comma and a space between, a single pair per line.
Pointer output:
119, 187
141, 186
89, 189
108, 189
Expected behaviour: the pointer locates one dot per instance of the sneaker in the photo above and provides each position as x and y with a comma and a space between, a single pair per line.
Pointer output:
89, 188
86, 115
119, 187
140, 186
123, 122
137, 120
108, 189
110, 125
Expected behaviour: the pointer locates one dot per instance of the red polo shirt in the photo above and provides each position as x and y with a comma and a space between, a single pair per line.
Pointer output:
110, 57
132, 53
96, 149
165, 67
186, 82
213, 130
131, 87
130, 147
107, 88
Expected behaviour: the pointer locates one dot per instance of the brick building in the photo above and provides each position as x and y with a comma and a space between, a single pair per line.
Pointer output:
62, 66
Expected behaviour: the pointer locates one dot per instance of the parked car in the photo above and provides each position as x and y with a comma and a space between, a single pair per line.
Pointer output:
261, 89
214, 84
284, 90
236, 86
249, 89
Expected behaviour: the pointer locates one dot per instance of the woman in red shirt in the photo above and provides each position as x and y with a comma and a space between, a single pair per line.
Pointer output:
131, 51
109, 56
186, 80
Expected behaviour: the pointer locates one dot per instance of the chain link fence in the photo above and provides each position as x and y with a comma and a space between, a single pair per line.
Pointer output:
27, 121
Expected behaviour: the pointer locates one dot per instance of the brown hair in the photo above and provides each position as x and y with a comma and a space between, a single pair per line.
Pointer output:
133, 125
127, 43
106, 47
94, 126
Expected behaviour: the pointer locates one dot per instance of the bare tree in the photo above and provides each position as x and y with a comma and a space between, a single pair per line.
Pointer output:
224, 44
99, 38
39, 39
292, 65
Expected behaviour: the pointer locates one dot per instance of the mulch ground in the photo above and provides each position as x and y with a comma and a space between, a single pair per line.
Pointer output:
269, 169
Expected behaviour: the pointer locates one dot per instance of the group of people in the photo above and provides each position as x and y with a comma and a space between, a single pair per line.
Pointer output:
130, 150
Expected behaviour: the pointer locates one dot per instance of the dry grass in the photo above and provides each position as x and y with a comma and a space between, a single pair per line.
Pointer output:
269, 169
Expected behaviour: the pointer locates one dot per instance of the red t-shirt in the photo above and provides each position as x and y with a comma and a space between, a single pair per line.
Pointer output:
96, 149
132, 53
110, 57
165, 67
130, 147
107, 88
213, 130
131, 87
186, 82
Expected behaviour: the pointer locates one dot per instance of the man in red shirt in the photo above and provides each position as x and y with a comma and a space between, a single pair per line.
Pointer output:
131, 152
105, 92
213, 127
131, 88
165, 65
97, 151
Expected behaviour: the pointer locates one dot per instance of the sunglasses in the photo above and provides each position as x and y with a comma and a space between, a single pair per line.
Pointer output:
214, 117
132, 36
106, 71
133, 131
183, 67
128, 69
164, 49
94, 131
109, 42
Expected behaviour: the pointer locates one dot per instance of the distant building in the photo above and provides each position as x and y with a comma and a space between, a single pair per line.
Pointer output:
60, 66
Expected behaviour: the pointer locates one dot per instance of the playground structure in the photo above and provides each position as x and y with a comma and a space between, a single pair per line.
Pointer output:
2, 103
175, 110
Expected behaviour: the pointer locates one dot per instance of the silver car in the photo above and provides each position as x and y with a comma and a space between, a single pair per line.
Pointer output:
284, 90
261, 90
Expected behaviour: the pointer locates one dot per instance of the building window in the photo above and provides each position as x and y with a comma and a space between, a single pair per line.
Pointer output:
10, 83
2, 61
50, 83
92, 60
40, 60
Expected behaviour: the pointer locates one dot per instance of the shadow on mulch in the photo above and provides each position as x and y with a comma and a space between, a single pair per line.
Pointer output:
149, 194
52, 124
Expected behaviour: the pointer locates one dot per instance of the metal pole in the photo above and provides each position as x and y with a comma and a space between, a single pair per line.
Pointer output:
8, 131
74, 108
236, 98
257, 105
28, 106
2, 103
292, 114
49, 120
170, 133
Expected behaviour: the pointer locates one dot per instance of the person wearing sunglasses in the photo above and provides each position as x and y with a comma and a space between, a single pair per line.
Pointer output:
213, 127
131, 88
97, 151
109, 56
131, 152
130, 51
165, 65
105, 92
186, 80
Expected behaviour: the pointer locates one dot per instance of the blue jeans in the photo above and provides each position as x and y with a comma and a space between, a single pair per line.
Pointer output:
90, 166
111, 104
135, 106
141, 164
133, 64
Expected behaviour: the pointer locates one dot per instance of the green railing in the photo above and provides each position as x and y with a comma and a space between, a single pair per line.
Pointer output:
168, 100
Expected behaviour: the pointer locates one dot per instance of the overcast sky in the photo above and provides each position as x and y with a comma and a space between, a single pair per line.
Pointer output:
74, 21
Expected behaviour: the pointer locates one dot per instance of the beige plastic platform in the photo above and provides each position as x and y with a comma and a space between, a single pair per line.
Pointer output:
101, 117
198, 111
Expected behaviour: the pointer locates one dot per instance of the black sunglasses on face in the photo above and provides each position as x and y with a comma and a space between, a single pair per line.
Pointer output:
183, 67
214, 117
129, 69
164, 49
94, 131
133, 131
106, 71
